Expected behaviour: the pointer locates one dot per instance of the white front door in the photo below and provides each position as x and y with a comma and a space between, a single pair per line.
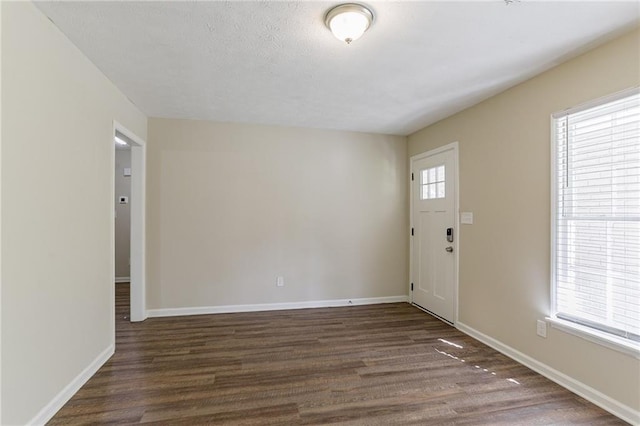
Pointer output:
434, 231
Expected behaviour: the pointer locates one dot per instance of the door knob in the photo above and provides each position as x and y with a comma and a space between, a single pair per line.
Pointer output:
449, 249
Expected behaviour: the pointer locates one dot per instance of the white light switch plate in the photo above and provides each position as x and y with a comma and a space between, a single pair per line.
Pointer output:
466, 218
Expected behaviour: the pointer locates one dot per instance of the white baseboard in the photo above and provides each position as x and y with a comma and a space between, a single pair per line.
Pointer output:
74, 386
225, 309
616, 408
123, 279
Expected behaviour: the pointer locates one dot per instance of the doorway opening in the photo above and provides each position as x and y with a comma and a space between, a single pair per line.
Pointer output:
122, 213
434, 232
128, 254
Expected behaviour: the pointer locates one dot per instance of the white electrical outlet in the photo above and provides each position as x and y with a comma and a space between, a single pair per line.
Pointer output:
542, 328
279, 281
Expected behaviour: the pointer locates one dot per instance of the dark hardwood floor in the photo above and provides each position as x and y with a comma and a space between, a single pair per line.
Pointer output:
361, 365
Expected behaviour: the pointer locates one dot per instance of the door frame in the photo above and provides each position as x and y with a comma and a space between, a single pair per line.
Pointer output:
138, 212
453, 146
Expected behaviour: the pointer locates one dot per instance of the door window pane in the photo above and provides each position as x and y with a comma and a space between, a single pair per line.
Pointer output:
433, 183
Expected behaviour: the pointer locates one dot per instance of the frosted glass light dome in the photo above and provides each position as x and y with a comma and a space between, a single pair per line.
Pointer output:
349, 21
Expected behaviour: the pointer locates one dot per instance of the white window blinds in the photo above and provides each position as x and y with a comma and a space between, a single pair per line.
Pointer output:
597, 216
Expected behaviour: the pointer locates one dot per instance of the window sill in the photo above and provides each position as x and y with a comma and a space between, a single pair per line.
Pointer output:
595, 336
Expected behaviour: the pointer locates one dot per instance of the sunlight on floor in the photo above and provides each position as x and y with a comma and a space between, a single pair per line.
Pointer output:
451, 343
511, 380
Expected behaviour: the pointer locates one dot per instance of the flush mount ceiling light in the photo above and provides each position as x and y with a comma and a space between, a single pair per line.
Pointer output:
120, 141
349, 21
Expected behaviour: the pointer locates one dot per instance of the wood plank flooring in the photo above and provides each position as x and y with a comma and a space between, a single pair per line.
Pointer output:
360, 365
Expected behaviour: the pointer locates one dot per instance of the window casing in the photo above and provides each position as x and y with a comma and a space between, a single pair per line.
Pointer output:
596, 216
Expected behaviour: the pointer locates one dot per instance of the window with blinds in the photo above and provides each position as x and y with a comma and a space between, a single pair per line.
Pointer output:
596, 202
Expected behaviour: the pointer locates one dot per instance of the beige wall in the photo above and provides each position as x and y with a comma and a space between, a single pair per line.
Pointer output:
57, 205
123, 213
504, 181
232, 206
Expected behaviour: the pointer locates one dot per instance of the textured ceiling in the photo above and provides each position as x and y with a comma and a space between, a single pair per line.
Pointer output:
274, 62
